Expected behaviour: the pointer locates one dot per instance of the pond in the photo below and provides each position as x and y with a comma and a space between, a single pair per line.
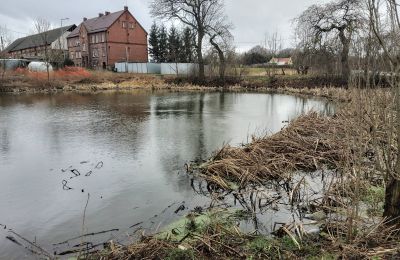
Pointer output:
126, 149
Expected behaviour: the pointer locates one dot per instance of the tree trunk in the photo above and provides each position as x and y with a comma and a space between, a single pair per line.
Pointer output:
221, 56
199, 50
345, 55
392, 194
392, 201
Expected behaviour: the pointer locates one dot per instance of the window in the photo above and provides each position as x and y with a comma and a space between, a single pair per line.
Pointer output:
132, 25
94, 53
84, 47
103, 50
123, 24
72, 55
103, 37
97, 38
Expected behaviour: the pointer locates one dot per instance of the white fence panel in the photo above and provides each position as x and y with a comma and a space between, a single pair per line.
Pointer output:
154, 68
179, 68
187, 69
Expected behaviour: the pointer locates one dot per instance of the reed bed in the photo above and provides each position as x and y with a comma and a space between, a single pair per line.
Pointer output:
307, 144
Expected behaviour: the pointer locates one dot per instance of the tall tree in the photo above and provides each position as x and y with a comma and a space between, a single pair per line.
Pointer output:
188, 43
337, 19
5, 40
220, 39
154, 49
174, 45
200, 15
163, 44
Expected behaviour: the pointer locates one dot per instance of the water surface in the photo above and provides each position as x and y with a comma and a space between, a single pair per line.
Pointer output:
131, 145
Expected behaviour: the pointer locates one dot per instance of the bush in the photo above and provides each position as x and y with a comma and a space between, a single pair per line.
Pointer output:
68, 62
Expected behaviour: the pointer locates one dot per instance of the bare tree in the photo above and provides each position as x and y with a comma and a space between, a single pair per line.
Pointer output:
5, 40
221, 39
42, 26
274, 46
325, 23
200, 15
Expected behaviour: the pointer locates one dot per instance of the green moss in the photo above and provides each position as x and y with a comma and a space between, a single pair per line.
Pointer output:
260, 245
178, 254
374, 198
323, 256
287, 244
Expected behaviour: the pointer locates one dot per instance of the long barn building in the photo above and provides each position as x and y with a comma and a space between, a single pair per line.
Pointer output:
109, 38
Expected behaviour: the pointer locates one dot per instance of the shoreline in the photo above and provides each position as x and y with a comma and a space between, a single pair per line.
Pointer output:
331, 93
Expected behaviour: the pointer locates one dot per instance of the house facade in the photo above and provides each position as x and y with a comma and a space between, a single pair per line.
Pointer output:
34, 46
281, 62
100, 42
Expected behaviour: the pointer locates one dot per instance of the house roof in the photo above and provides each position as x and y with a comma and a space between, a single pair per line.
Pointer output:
98, 24
38, 39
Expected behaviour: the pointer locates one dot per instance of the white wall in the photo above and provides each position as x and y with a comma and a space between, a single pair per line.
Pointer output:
62, 40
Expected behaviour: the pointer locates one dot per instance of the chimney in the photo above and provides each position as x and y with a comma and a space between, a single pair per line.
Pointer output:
101, 14
107, 12
84, 19
125, 8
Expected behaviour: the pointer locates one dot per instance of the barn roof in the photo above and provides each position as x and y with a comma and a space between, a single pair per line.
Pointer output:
40, 39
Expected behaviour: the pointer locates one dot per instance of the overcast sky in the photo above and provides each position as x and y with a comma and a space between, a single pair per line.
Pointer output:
252, 19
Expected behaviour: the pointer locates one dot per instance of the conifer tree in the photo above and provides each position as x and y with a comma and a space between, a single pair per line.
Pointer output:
163, 44
154, 49
174, 45
188, 48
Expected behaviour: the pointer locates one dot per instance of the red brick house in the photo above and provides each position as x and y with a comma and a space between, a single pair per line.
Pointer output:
109, 38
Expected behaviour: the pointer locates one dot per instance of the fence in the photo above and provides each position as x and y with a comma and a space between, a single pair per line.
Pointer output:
158, 68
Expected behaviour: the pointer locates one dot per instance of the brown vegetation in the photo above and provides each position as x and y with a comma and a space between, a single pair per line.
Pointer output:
74, 78
309, 142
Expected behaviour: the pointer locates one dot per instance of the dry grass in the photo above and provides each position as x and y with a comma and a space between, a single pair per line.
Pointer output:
308, 143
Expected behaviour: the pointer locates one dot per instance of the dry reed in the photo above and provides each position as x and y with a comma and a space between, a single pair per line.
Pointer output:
307, 144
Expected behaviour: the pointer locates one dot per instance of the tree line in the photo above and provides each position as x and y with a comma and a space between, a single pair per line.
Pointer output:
172, 45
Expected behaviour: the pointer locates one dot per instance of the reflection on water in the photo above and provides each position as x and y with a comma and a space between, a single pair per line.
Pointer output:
143, 140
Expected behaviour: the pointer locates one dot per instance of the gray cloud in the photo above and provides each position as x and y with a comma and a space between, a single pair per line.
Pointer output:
252, 19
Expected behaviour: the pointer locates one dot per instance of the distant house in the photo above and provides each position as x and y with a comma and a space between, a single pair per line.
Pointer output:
281, 62
109, 38
33, 46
